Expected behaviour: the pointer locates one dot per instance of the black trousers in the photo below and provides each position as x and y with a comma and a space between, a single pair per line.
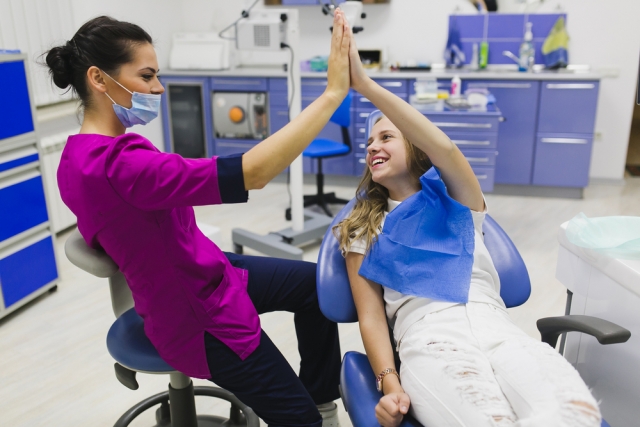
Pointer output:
265, 381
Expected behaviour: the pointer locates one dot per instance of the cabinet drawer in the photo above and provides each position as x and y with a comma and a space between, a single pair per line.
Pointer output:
25, 268
397, 86
486, 177
466, 140
18, 157
568, 107
313, 87
464, 124
479, 157
15, 106
562, 160
226, 148
360, 163
278, 99
278, 84
23, 203
238, 84
362, 104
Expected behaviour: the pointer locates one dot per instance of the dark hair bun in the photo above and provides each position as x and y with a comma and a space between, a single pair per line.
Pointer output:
59, 62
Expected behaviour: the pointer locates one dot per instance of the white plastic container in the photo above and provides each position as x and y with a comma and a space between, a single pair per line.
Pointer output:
456, 85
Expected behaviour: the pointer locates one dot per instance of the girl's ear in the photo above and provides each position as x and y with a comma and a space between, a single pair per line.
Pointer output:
96, 80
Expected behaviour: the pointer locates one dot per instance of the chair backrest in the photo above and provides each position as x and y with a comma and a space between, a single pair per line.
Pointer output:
334, 291
100, 264
342, 116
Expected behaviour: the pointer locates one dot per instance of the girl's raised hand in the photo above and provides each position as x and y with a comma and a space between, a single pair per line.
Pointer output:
358, 76
338, 67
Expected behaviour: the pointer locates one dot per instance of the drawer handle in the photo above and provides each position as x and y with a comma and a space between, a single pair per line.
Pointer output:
364, 115
282, 113
564, 141
391, 84
463, 125
363, 99
571, 86
237, 82
309, 98
233, 145
361, 130
465, 142
362, 145
477, 159
315, 83
362, 160
501, 85
479, 177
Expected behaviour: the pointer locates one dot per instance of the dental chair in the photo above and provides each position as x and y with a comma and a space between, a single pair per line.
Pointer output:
357, 380
133, 352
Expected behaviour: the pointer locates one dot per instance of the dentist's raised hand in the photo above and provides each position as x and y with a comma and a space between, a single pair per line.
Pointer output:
338, 66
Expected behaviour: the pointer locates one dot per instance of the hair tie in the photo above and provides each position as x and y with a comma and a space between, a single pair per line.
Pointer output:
79, 52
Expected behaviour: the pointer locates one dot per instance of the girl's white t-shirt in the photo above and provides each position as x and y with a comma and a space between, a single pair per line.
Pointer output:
404, 310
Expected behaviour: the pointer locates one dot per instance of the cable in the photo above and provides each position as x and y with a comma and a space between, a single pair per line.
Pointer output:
245, 14
293, 90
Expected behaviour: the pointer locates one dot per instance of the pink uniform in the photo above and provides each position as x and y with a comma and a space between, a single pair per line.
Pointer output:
136, 202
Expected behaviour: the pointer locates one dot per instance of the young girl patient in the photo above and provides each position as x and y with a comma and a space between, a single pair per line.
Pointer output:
417, 261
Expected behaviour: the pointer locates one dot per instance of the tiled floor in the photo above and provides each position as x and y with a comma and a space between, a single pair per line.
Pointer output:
55, 369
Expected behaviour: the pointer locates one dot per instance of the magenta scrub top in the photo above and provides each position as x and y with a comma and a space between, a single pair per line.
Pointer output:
135, 202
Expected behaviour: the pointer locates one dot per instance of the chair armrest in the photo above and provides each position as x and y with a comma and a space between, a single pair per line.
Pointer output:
88, 259
604, 331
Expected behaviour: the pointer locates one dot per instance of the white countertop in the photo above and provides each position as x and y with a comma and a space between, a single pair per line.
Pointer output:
497, 73
623, 271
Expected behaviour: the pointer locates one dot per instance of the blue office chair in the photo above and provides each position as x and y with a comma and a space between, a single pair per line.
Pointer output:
133, 352
323, 149
357, 380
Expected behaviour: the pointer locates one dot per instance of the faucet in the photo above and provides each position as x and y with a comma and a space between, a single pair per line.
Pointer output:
515, 59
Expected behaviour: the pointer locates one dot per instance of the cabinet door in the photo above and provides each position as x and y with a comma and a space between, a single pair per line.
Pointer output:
186, 120
15, 105
562, 160
518, 102
568, 107
26, 267
23, 203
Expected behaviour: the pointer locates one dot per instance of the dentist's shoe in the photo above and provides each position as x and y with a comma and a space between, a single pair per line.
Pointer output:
329, 412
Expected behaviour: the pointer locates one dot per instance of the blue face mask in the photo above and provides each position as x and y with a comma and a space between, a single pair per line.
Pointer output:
144, 107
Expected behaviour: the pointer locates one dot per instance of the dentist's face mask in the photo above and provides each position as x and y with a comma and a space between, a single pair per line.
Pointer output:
144, 107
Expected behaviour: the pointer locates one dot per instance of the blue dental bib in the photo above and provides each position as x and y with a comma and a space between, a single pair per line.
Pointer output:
426, 246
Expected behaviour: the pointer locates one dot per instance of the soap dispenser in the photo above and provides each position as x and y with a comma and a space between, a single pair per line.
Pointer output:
527, 52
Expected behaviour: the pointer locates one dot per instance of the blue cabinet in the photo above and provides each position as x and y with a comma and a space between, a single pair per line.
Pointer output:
27, 257
564, 137
518, 102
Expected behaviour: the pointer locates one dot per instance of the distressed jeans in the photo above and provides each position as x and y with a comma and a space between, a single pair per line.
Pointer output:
470, 365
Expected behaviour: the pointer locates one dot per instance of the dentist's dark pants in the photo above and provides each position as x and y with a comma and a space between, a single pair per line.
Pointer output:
264, 380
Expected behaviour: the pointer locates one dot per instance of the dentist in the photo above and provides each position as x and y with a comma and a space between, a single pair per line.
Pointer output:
200, 305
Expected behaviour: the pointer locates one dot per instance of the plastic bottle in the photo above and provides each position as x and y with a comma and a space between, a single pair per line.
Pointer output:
527, 53
456, 83
484, 55
474, 58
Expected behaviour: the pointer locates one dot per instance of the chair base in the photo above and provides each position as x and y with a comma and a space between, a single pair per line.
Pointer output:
240, 414
321, 200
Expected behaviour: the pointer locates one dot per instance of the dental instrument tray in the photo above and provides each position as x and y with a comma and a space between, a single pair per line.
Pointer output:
458, 103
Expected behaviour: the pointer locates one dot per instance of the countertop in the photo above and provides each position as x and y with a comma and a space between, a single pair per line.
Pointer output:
626, 272
493, 73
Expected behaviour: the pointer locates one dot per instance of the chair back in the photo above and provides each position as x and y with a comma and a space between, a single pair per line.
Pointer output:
342, 116
334, 291
98, 263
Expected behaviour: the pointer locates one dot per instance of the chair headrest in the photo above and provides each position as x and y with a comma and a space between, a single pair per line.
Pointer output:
92, 261
332, 280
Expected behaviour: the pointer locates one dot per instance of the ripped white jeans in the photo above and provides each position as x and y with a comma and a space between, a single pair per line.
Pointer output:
470, 365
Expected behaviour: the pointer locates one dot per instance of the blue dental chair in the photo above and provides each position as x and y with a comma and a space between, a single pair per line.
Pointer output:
357, 380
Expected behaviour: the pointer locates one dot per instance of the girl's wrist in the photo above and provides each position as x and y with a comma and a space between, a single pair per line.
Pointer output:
391, 384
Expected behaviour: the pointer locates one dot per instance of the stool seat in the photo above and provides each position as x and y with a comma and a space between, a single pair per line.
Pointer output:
325, 148
129, 346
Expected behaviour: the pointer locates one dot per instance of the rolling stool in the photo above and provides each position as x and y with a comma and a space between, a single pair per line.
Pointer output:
133, 352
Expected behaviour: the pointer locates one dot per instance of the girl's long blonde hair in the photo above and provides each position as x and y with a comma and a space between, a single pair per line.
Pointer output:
371, 202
